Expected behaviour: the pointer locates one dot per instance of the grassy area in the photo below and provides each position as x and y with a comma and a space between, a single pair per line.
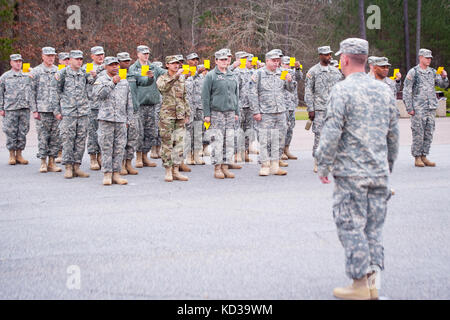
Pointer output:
301, 114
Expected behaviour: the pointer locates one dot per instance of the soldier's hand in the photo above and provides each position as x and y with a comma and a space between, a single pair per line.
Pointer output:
324, 180
311, 115
186, 120
200, 70
58, 117
236, 117
36, 115
236, 64
116, 79
207, 119
444, 74
398, 76
93, 73
288, 77
179, 73
412, 113
257, 117
297, 64
2, 113
150, 73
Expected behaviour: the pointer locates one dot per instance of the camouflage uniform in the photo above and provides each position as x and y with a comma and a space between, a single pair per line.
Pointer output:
319, 81
15, 100
395, 86
135, 124
291, 102
115, 112
194, 129
70, 99
419, 96
267, 98
47, 127
360, 139
174, 111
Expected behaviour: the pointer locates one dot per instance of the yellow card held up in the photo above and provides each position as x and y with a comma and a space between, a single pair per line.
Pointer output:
339, 67
193, 70
144, 70
185, 69
439, 70
123, 74
292, 62
26, 67
207, 124
301, 66
254, 61
207, 64
243, 63
89, 67
61, 66
283, 75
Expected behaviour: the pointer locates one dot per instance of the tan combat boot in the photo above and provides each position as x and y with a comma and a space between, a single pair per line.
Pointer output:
99, 160
226, 172
371, 279
139, 163
107, 178
234, 166
265, 169
123, 171
94, 164
247, 157
158, 151
218, 174
52, 167
59, 157
117, 179
238, 157
206, 152
418, 162
315, 169
68, 174
146, 161
43, 168
275, 168
427, 162
184, 167
190, 159
198, 158
168, 177
153, 153
289, 154
359, 290
77, 172
284, 156
129, 167
19, 158
177, 175
12, 157
283, 164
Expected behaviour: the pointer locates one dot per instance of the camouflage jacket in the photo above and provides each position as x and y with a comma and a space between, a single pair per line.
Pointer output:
15, 91
114, 100
319, 81
393, 84
99, 69
418, 91
174, 104
42, 81
194, 91
146, 91
69, 94
291, 97
267, 91
243, 77
360, 137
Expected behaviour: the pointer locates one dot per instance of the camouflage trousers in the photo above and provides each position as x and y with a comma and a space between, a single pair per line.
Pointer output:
92, 145
319, 120
221, 134
49, 142
422, 126
172, 133
247, 134
149, 135
16, 125
271, 136
290, 119
132, 137
112, 137
194, 133
73, 134
359, 211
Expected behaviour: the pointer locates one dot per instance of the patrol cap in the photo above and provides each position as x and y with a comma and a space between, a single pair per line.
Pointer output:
97, 50
123, 56
192, 56
158, 63
250, 57
75, 54
353, 46
63, 55
15, 57
285, 60
221, 54
48, 51
273, 54
111, 60
228, 51
382, 61
172, 59
334, 63
200, 66
180, 57
371, 60
239, 54
425, 53
143, 49
324, 50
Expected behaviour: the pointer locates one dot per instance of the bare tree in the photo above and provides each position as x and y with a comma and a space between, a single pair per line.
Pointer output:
418, 30
406, 22
362, 20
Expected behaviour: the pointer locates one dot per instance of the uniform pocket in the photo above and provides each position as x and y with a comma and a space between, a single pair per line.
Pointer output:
342, 212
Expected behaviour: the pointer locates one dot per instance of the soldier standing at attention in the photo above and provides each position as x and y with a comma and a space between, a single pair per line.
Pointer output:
421, 103
174, 115
319, 81
115, 113
269, 110
220, 96
46, 124
63, 59
380, 72
93, 148
360, 140
15, 102
71, 106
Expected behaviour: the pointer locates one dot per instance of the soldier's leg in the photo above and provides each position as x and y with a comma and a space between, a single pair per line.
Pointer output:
106, 141
158, 137
429, 126
198, 130
68, 127
132, 138
80, 138
281, 127
290, 127
43, 129
54, 139
229, 134
92, 144
119, 142
11, 128
166, 128
217, 131
24, 127
140, 129
263, 137
189, 141
350, 205
148, 128
417, 128
178, 142
317, 128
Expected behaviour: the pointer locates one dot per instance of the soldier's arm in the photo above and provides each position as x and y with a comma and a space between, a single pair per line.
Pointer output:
34, 89
298, 74
2, 95
206, 95
133, 88
407, 90
164, 84
393, 136
253, 98
398, 86
29, 94
57, 89
441, 83
331, 132
238, 105
130, 106
102, 89
309, 92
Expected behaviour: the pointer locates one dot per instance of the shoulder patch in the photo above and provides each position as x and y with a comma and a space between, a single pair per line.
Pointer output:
57, 76
308, 75
253, 77
409, 77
